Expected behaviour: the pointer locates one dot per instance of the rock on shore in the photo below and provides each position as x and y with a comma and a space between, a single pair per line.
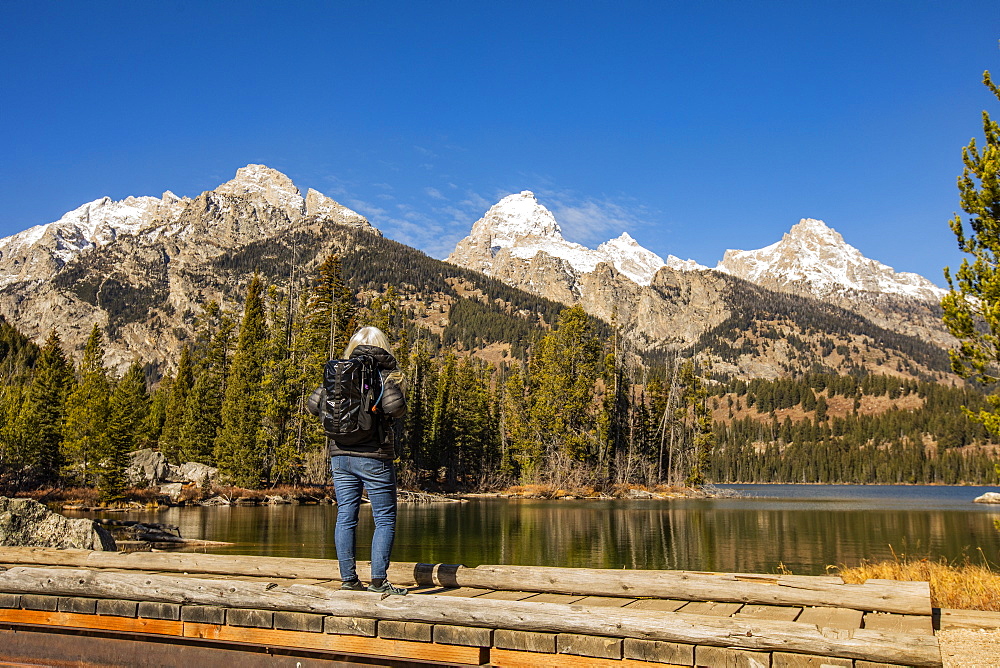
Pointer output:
25, 522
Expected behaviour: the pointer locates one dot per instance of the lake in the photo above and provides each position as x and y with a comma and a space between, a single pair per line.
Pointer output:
804, 527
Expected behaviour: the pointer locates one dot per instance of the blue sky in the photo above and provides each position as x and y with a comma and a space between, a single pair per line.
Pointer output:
695, 126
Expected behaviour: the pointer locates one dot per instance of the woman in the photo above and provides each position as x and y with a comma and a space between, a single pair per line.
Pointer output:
367, 465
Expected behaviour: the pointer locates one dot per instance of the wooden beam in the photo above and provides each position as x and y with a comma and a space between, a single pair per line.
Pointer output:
900, 597
761, 635
907, 598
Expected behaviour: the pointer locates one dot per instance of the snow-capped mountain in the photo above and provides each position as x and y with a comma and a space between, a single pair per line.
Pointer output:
133, 265
815, 258
519, 227
43, 249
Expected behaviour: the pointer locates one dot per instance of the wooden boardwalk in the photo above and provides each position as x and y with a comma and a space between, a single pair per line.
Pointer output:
271, 610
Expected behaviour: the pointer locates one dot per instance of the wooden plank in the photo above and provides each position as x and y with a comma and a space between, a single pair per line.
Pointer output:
886, 621
760, 635
723, 657
553, 598
82, 621
608, 601
657, 650
662, 604
777, 612
508, 595
833, 618
526, 641
336, 643
710, 608
584, 645
786, 660
877, 595
465, 592
969, 619
511, 658
900, 597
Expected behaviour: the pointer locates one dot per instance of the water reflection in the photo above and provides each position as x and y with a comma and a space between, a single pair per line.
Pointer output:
749, 534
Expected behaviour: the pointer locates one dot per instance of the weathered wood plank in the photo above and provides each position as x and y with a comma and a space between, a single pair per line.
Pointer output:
337, 643
510, 658
878, 595
899, 597
885, 621
710, 608
609, 601
777, 612
508, 595
662, 604
547, 597
834, 618
969, 619
761, 635
83, 621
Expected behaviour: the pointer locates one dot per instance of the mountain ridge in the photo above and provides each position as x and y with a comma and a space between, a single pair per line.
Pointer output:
142, 268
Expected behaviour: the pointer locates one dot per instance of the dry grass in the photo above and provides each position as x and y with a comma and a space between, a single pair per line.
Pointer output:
965, 585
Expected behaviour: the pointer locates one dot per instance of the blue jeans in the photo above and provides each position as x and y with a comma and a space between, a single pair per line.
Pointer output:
378, 477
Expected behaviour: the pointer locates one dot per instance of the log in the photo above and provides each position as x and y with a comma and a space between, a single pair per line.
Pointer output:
906, 598
760, 635
900, 597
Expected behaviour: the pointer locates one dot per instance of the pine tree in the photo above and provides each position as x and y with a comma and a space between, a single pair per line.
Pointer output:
40, 425
326, 322
278, 386
203, 407
177, 395
972, 306
238, 447
127, 411
87, 412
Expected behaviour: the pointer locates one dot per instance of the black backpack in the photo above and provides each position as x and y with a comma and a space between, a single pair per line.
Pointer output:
351, 413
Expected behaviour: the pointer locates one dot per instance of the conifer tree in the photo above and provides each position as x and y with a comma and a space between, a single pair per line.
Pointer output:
203, 407
278, 391
972, 306
40, 426
127, 411
326, 323
87, 412
563, 369
238, 447
179, 387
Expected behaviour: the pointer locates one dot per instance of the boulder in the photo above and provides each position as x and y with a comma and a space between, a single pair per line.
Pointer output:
25, 522
147, 467
172, 489
988, 497
199, 474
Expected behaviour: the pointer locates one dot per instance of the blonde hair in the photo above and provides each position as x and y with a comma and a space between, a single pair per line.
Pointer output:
367, 336
373, 336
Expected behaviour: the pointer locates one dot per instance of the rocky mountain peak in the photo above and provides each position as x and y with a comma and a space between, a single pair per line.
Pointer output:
815, 257
270, 185
516, 216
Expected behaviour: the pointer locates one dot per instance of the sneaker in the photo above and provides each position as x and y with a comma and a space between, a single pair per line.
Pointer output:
388, 589
352, 585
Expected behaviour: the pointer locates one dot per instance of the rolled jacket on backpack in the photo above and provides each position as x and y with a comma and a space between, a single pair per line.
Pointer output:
392, 403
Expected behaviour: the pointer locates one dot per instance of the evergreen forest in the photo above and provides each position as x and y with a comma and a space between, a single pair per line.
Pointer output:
566, 406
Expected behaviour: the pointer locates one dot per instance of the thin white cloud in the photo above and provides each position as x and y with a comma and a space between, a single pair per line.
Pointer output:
434, 193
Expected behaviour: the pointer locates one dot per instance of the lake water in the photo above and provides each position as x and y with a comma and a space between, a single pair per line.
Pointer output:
804, 527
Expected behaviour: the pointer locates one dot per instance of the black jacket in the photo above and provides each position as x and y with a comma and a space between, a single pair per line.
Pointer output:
393, 405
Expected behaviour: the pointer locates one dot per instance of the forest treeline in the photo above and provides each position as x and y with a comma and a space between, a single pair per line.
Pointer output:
572, 410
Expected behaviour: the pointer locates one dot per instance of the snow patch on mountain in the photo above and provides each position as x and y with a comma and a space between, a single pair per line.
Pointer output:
815, 253
270, 185
526, 228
